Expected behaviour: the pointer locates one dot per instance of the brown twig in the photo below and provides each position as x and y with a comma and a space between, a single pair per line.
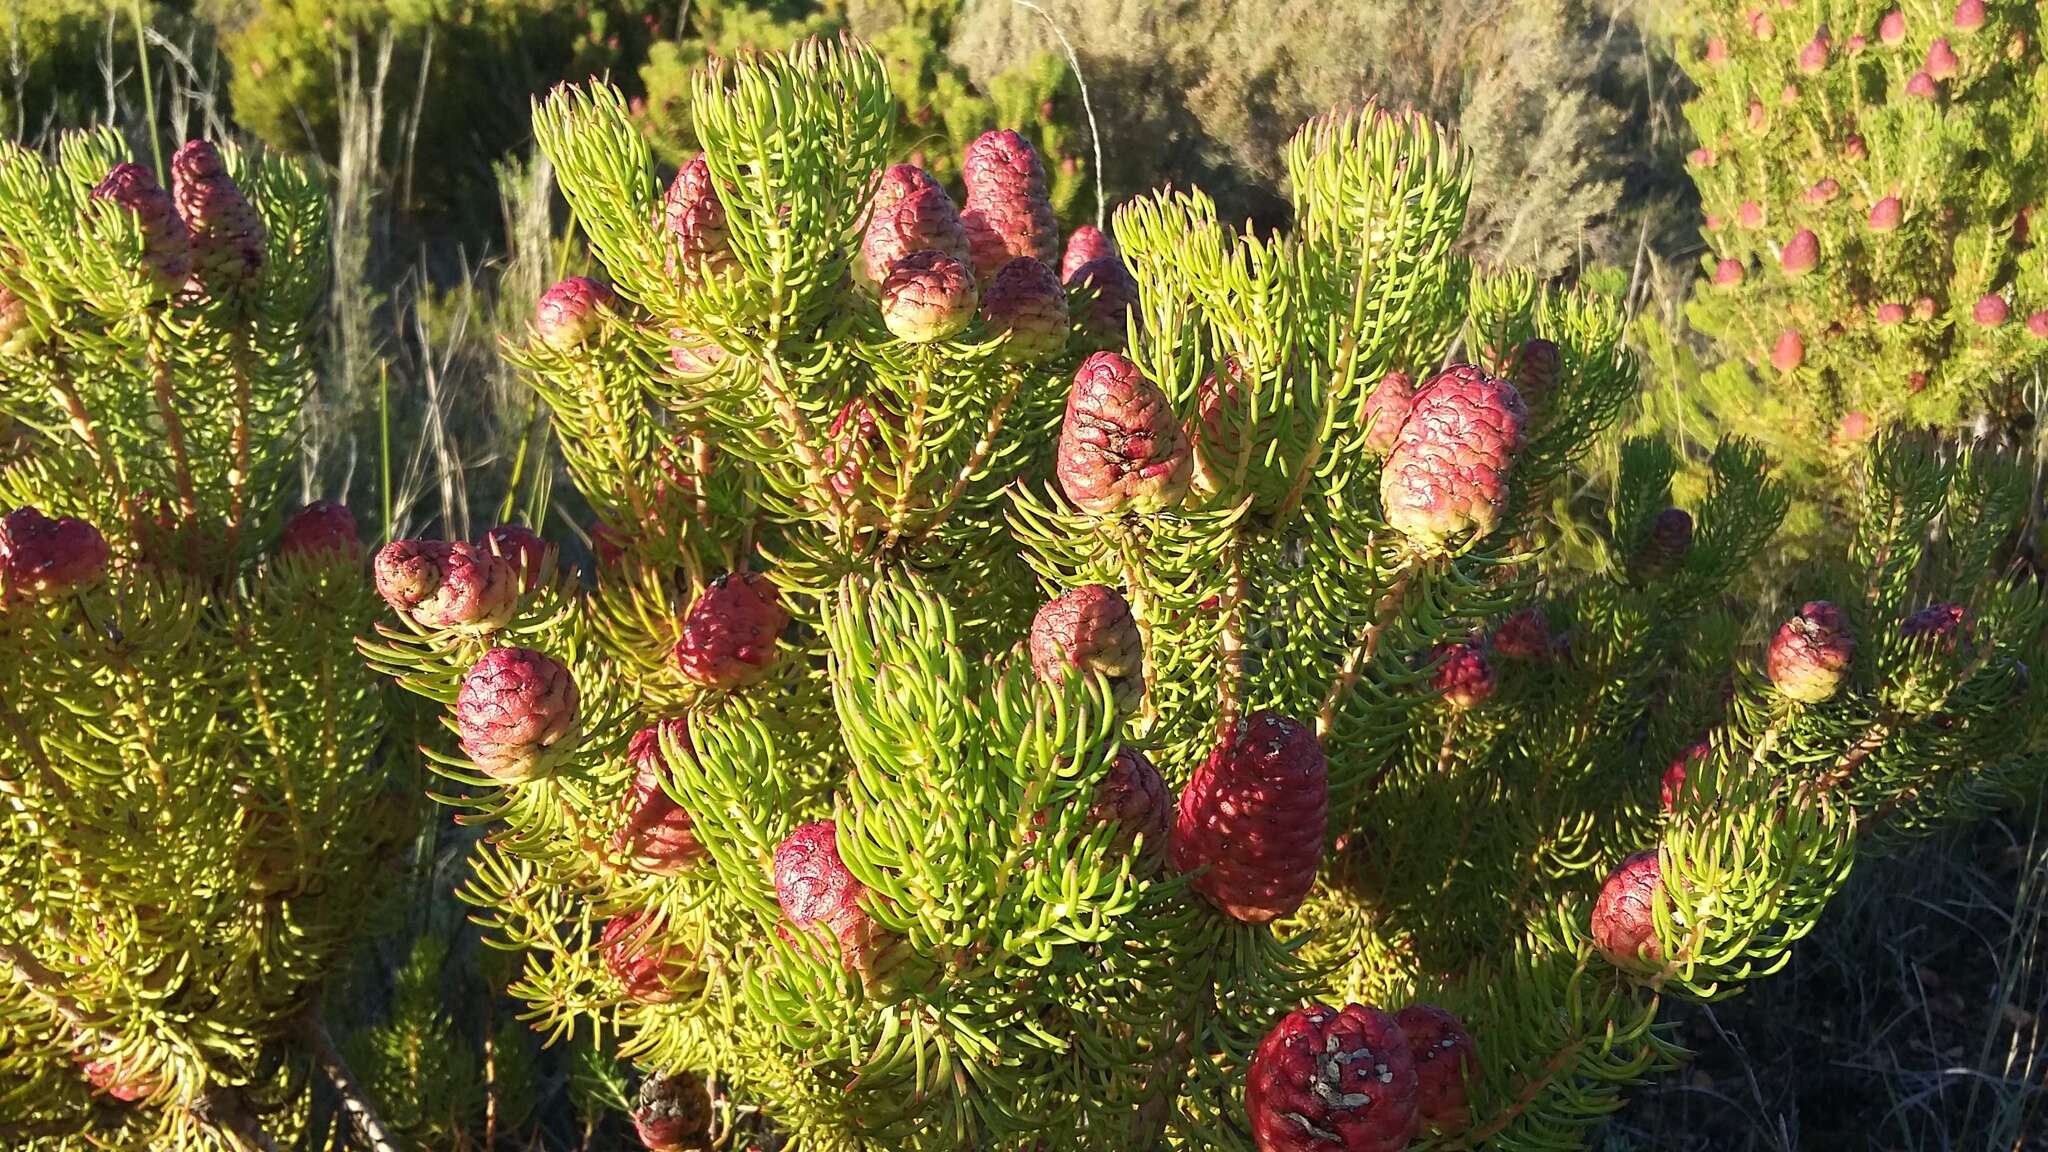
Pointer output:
353, 1100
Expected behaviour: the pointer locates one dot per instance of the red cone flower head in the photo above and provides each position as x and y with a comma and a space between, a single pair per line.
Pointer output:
1811, 653
1252, 818
924, 220
658, 835
111, 1078
1892, 28
519, 546
1941, 60
1090, 628
1007, 213
645, 966
1970, 15
570, 312
2037, 325
1991, 310
608, 544
1728, 273
1924, 308
1942, 626
1002, 162
1329, 1081
1886, 214
1921, 85
322, 528
448, 585
1801, 253
1110, 294
1891, 313
1448, 473
1444, 1059
895, 184
1535, 369
728, 636
815, 889
1749, 214
1717, 51
928, 296
1814, 57
227, 233
1624, 917
1673, 788
1665, 546
1026, 302
694, 219
1386, 409
1136, 797
1525, 635
17, 332
1700, 157
1120, 447
166, 245
43, 557
516, 714
1464, 679
1789, 352
1761, 25
1085, 246
1824, 191
672, 1113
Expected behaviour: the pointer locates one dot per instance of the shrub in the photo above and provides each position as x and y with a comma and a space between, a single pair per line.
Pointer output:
1868, 183
845, 782
196, 805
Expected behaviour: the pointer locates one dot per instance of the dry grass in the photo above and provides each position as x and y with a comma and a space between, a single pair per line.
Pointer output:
1914, 1019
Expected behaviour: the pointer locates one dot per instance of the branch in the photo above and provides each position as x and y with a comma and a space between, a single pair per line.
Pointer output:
353, 1099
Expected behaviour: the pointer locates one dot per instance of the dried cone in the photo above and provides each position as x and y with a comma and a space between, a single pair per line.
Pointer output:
1447, 476
644, 964
1106, 293
1464, 679
1444, 1060
728, 636
1811, 653
226, 232
927, 297
571, 312
1666, 544
1026, 303
516, 714
166, 245
1252, 819
923, 220
1672, 790
1120, 448
1524, 635
1085, 245
1331, 1081
1624, 920
1008, 213
44, 558
673, 1113
1090, 628
440, 585
521, 547
658, 835
694, 218
815, 889
1386, 409
322, 529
